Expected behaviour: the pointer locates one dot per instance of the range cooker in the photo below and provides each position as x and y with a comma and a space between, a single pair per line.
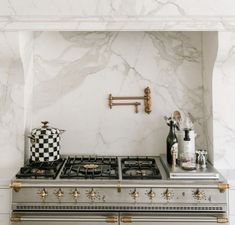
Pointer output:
85, 190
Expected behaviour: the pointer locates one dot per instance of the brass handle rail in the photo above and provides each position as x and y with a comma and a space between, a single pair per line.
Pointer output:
128, 98
209, 219
146, 98
16, 185
108, 219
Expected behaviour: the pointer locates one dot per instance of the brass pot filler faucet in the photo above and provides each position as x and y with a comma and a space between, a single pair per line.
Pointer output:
146, 98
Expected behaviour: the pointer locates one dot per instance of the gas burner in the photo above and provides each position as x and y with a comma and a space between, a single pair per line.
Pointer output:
140, 168
90, 167
134, 172
40, 170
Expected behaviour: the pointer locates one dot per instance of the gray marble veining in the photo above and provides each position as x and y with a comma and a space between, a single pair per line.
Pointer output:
73, 79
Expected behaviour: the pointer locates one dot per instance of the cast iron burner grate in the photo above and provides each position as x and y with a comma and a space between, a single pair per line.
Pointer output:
40, 170
90, 167
140, 168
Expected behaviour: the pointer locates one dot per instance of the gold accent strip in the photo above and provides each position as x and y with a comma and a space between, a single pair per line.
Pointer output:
223, 186
147, 100
222, 220
15, 185
111, 219
126, 219
119, 188
15, 219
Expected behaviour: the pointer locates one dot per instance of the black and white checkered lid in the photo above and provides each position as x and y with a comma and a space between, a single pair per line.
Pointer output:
45, 130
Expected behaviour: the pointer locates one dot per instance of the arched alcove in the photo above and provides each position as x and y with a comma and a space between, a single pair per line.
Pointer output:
70, 74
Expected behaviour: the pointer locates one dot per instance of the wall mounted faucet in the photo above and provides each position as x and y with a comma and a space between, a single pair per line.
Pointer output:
146, 98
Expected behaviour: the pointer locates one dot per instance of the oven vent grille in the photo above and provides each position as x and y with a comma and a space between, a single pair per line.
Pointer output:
120, 208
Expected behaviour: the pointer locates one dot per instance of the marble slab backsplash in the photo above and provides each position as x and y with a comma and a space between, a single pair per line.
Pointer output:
75, 71
11, 104
223, 102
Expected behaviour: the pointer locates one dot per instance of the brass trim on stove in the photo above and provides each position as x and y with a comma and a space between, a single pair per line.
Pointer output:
15, 185
15, 219
126, 219
119, 188
111, 219
222, 220
223, 186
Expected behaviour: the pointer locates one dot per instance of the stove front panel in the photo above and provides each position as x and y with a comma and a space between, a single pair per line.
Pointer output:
124, 199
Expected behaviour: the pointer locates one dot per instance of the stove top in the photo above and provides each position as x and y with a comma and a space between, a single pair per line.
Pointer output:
40, 170
90, 167
93, 168
140, 168
111, 184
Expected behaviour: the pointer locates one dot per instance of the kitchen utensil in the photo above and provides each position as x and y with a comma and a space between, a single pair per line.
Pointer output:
177, 117
45, 143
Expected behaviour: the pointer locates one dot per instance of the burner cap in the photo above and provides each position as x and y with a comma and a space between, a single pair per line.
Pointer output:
38, 171
91, 166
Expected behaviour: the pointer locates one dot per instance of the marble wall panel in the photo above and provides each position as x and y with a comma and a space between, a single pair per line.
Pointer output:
75, 71
11, 103
223, 102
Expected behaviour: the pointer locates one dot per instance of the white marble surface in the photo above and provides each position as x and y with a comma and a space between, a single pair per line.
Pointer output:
118, 7
26, 46
223, 102
79, 64
90, 15
75, 71
11, 104
210, 48
5, 178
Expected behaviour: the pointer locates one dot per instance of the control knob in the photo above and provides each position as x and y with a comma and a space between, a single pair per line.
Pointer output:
151, 194
135, 194
75, 194
59, 194
168, 195
199, 195
92, 195
43, 193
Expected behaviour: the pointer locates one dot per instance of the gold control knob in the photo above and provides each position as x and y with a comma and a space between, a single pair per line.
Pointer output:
92, 195
75, 194
151, 194
59, 194
135, 194
43, 194
168, 195
199, 195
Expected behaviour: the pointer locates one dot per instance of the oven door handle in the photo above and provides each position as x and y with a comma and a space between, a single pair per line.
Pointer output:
208, 219
107, 219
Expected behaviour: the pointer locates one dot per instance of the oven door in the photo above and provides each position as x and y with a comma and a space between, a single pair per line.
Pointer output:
166, 219
63, 218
